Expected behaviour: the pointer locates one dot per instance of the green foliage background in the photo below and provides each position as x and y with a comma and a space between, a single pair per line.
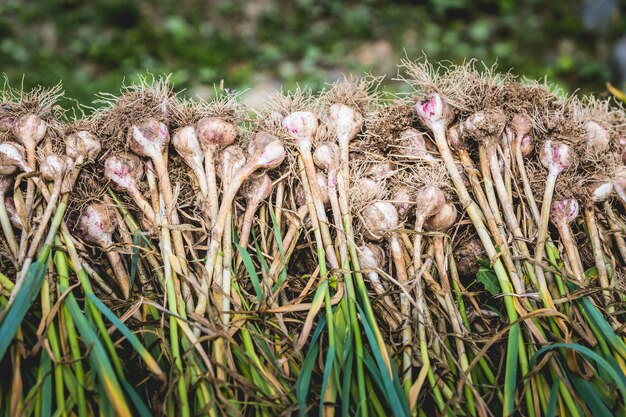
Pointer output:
94, 45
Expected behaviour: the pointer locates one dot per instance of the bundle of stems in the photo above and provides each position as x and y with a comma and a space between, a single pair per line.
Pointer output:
457, 250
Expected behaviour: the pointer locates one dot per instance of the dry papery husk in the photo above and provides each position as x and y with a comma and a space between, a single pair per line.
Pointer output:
40, 101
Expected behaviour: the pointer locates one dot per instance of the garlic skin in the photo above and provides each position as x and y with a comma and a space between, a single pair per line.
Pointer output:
455, 137
123, 171
326, 156
268, 151
12, 157
597, 137
231, 160
619, 182
521, 125
380, 171
214, 131
30, 129
371, 256
347, 121
149, 139
429, 200
600, 191
53, 167
322, 184
302, 126
443, 220
379, 219
434, 112
485, 126
187, 145
259, 189
413, 145
97, 224
527, 146
556, 157
564, 211
403, 199
82, 147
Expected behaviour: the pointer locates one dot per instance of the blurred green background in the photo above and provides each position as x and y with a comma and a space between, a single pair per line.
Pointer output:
260, 45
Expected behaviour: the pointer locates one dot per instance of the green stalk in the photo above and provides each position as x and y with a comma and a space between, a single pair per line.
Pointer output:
172, 300
56, 350
63, 274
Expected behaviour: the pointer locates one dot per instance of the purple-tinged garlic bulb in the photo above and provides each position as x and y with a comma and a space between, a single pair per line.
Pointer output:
82, 147
527, 146
149, 139
556, 157
188, 146
215, 132
124, 172
97, 224
54, 167
597, 138
326, 156
433, 112
302, 126
30, 129
379, 219
564, 211
443, 220
12, 157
